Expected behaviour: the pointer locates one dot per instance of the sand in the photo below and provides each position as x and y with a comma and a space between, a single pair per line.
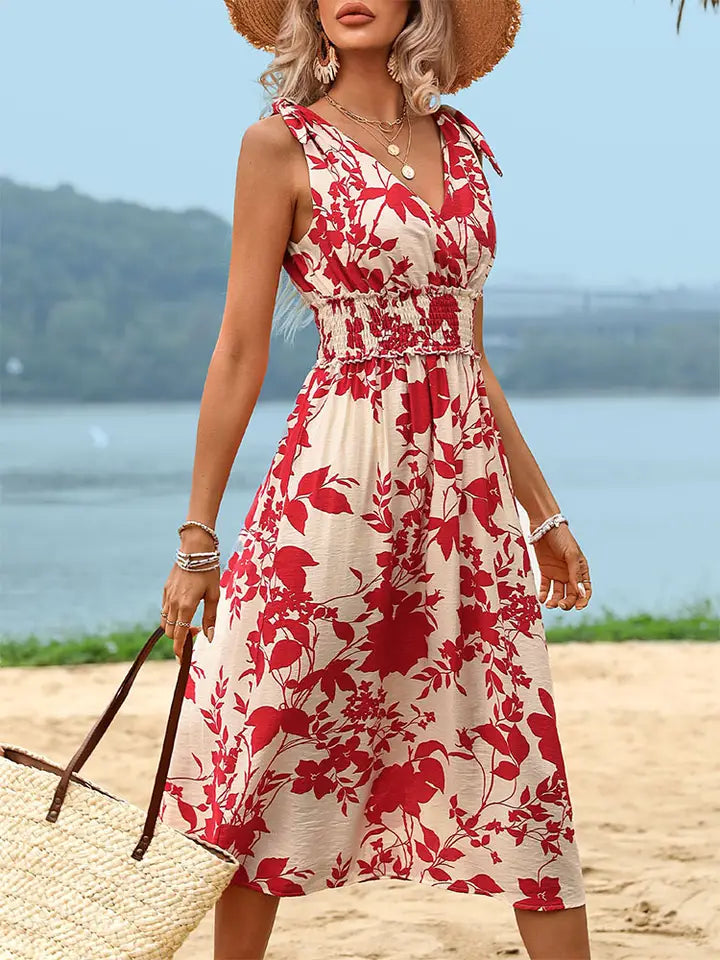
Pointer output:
639, 725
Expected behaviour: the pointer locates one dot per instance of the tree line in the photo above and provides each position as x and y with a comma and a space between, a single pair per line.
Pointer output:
110, 300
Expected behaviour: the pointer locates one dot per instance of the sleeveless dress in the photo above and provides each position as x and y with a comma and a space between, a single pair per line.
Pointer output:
377, 700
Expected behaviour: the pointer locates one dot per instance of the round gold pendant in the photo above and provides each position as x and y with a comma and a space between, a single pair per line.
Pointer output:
408, 172
393, 149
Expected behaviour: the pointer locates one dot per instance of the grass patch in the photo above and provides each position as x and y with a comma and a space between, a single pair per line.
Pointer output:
117, 646
699, 621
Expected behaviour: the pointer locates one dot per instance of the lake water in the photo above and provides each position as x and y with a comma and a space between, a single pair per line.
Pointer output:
92, 496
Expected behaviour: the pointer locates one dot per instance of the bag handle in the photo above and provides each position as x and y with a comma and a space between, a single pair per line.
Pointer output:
103, 722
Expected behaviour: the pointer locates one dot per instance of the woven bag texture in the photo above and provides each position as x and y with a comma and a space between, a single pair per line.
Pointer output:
70, 890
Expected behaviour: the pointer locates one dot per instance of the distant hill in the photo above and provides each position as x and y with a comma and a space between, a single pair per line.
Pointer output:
113, 300
110, 300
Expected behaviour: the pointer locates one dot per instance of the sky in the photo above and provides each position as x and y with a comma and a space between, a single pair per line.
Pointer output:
601, 117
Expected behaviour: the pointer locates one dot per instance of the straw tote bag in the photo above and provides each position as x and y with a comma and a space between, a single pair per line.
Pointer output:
85, 875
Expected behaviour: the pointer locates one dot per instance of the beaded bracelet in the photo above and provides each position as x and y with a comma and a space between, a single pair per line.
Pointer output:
203, 526
554, 521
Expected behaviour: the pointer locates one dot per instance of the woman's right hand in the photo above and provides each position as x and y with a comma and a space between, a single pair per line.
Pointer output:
182, 594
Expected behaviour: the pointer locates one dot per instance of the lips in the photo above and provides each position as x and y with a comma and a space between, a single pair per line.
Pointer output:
355, 12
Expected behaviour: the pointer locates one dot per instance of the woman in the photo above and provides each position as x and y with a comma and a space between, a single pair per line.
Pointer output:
370, 694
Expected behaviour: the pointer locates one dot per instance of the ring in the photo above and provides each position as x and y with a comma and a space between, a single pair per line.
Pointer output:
163, 613
171, 622
181, 623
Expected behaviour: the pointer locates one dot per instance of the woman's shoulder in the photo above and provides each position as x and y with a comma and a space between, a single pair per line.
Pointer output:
267, 135
268, 151
275, 131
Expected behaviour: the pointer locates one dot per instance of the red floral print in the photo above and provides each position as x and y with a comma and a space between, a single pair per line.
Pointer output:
377, 700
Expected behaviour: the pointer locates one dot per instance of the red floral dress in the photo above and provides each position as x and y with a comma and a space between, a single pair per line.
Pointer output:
377, 701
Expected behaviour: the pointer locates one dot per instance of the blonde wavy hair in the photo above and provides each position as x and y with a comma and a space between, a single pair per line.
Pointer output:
424, 50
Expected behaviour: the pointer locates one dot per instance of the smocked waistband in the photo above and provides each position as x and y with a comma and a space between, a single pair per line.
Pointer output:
419, 320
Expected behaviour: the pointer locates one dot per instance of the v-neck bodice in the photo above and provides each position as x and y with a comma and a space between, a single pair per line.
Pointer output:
383, 168
376, 248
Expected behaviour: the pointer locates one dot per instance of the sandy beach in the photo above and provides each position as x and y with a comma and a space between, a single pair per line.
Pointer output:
639, 725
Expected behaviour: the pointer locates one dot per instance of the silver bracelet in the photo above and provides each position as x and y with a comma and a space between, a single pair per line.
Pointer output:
554, 521
196, 559
204, 560
203, 526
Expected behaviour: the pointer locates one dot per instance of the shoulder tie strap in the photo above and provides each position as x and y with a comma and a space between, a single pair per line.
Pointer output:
287, 109
475, 135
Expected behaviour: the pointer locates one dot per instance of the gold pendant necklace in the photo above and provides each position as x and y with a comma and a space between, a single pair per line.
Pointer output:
392, 148
383, 125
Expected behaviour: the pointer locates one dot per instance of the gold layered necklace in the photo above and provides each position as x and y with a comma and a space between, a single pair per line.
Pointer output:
385, 127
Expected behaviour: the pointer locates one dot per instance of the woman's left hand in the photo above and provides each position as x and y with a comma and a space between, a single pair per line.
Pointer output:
563, 563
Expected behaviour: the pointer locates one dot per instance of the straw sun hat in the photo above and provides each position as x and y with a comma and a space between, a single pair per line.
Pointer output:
484, 31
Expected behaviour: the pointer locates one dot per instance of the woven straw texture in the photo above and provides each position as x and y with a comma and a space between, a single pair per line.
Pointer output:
484, 31
70, 890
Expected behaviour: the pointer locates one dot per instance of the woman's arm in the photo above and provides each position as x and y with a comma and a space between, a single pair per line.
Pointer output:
559, 557
262, 221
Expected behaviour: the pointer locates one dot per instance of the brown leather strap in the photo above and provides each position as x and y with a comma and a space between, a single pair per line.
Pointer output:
101, 725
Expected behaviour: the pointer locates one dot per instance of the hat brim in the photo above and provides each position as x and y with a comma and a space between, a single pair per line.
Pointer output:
484, 31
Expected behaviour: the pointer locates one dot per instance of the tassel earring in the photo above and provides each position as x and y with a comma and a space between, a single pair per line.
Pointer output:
326, 63
392, 65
